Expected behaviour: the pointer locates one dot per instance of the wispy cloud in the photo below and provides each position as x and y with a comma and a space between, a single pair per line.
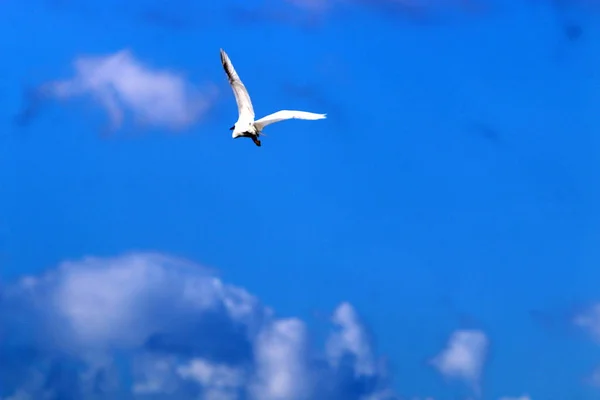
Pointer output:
144, 325
416, 10
122, 85
589, 320
524, 397
593, 379
407, 8
314, 13
464, 357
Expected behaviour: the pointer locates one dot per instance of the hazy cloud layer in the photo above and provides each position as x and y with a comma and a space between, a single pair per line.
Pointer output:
152, 326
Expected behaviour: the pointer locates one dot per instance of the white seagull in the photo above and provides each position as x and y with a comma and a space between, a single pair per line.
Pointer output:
246, 126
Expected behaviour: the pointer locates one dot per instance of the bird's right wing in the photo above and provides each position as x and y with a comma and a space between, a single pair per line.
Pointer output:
242, 98
284, 115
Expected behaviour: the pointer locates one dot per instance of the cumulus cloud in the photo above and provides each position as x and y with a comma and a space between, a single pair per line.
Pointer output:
464, 356
143, 326
350, 339
122, 85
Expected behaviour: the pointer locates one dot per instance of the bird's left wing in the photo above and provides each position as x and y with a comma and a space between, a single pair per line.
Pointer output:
284, 115
242, 98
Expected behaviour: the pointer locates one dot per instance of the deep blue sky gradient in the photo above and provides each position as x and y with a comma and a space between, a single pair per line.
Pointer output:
454, 184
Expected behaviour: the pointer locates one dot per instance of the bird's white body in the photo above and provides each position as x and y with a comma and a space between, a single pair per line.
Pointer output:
246, 126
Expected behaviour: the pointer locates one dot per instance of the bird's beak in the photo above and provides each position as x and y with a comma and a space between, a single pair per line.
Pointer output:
232, 128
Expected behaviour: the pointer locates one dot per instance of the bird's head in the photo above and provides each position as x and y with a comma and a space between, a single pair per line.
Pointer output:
236, 135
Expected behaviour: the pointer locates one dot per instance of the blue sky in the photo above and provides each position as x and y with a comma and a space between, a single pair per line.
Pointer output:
434, 237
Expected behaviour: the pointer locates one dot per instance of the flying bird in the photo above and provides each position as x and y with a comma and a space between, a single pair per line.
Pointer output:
246, 126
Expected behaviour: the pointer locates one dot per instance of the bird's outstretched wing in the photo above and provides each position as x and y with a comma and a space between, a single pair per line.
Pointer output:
242, 98
286, 114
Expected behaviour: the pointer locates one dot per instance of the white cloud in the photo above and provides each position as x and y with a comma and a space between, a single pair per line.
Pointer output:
121, 84
151, 325
219, 381
351, 338
524, 397
464, 356
154, 376
282, 368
